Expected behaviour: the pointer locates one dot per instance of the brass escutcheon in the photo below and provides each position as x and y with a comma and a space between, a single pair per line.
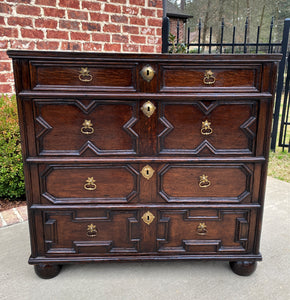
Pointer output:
205, 128
90, 184
201, 229
147, 73
148, 109
203, 181
148, 218
208, 77
147, 172
85, 75
92, 230
87, 127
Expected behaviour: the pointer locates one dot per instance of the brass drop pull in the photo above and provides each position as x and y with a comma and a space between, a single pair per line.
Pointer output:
148, 218
92, 230
87, 127
203, 181
147, 73
148, 109
90, 184
208, 77
205, 128
201, 229
147, 172
85, 75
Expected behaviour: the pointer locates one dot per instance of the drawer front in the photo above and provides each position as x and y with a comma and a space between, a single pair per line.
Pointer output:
208, 128
209, 78
83, 76
73, 184
85, 128
199, 231
221, 183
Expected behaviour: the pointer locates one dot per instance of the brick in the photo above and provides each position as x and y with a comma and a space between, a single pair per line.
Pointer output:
101, 37
112, 47
3, 44
79, 36
130, 29
137, 21
159, 13
5, 66
119, 38
158, 31
147, 31
47, 45
6, 77
91, 26
155, 22
32, 33
158, 48
91, 6
112, 8
20, 44
72, 25
92, 47
8, 32
54, 12
137, 2
46, 23
71, 46
147, 49
2, 20
99, 17
130, 10
6, 88
4, 56
130, 48
28, 10
111, 28
118, 1
138, 39
20, 1
5, 8
46, 2
8, 215
119, 19
153, 40
77, 15
148, 12
22, 210
57, 34
14, 21
70, 3
156, 4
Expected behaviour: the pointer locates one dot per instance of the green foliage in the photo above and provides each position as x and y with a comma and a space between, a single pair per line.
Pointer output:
176, 47
11, 167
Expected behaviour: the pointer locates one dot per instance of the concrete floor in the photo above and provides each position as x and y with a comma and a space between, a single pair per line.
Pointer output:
150, 280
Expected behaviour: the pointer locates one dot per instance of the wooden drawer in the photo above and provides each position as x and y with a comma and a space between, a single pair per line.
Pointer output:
207, 128
221, 183
104, 183
209, 78
83, 76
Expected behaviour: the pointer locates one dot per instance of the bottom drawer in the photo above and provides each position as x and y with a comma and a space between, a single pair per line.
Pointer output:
131, 231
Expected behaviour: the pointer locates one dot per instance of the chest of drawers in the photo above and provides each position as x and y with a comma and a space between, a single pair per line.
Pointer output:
144, 157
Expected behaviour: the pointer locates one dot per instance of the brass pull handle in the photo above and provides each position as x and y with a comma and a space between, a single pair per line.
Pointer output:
148, 109
205, 128
92, 230
147, 73
208, 77
203, 181
201, 229
87, 127
147, 172
85, 75
90, 184
148, 218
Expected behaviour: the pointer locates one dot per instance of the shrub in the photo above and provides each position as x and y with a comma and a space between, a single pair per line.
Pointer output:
11, 167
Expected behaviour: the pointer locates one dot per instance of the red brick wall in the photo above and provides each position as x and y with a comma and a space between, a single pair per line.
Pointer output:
77, 25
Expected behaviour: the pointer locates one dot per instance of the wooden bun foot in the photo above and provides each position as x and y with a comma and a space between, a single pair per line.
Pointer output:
243, 268
47, 271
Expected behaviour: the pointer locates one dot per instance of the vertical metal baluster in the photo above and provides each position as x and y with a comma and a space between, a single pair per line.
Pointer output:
233, 44
199, 30
257, 42
177, 32
222, 35
188, 38
270, 36
245, 39
210, 38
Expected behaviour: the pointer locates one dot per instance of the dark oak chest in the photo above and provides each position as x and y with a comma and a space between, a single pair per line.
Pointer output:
144, 157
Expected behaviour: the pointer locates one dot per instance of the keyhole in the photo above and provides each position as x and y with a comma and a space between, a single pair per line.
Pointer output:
147, 172
148, 72
148, 218
148, 108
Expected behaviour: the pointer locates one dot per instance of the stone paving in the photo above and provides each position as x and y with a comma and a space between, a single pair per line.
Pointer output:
13, 216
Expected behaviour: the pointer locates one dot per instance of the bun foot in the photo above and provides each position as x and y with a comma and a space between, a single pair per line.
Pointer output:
47, 271
243, 268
